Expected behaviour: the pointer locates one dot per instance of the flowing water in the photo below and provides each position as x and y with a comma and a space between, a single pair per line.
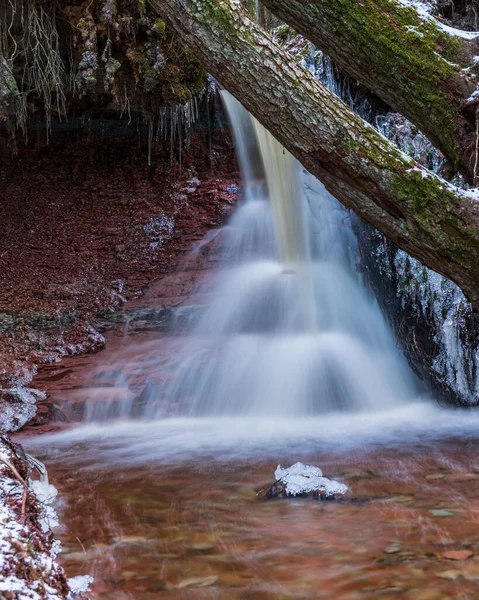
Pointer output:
291, 329
289, 359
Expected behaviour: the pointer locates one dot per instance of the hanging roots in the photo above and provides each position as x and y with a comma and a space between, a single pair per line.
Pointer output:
30, 45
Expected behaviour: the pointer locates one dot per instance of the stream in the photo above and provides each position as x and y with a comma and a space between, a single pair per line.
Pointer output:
169, 510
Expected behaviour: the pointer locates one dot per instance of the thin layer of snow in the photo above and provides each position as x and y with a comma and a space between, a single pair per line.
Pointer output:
302, 479
466, 35
423, 10
473, 96
415, 30
471, 193
18, 409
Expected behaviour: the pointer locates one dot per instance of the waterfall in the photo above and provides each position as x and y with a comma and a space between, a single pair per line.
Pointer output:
284, 186
291, 330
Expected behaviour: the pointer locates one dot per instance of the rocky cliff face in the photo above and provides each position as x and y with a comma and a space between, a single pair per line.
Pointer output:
65, 58
438, 327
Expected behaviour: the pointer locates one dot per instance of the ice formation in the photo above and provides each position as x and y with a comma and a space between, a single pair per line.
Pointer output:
302, 479
80, 584
21, 548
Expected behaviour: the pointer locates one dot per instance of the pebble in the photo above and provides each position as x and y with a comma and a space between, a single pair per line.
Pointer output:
197, 582
393, 548
458, 554
441, 512
449, 574
130, 539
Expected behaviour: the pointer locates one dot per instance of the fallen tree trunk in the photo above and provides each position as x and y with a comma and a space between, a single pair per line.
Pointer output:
420, 67
423, 214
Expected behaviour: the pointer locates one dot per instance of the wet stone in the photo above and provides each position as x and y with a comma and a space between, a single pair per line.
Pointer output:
458, 554
130, 539
459, 477
449, 574
197, 582
393, 548
403, 498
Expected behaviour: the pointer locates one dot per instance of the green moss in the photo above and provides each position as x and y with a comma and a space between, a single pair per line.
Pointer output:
220, 14
430, 204
402, 44
160, 26
283, 32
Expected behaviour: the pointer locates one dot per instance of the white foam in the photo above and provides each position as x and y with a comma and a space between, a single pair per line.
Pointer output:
176, 440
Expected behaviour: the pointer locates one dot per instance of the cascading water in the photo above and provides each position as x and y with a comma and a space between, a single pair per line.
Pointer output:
291, 331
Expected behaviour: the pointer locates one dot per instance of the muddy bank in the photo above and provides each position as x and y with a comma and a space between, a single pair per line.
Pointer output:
141, 350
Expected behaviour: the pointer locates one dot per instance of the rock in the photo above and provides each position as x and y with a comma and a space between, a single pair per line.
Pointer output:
441, 512
130, 539
197, 582
393, 548
303, 480
458, 477
458, 554
449, 574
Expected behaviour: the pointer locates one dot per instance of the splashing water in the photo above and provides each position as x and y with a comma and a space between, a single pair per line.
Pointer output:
292, 331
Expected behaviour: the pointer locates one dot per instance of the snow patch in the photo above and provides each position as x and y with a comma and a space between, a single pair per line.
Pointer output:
423, 10
473, 96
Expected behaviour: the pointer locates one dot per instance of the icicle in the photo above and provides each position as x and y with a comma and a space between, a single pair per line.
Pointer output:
150, 139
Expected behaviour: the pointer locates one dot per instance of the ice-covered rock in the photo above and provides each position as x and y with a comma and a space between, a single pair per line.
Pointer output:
80, 584
303, 479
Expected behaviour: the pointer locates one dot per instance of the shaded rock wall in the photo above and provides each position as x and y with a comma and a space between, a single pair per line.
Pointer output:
66, 58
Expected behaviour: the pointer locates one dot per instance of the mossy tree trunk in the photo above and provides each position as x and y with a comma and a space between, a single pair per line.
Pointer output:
418, 66
423, 214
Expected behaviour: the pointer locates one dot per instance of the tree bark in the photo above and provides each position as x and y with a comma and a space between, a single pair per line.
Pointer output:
411, 61
423, 214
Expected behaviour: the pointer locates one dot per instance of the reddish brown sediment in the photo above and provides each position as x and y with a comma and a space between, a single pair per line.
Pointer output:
83, 232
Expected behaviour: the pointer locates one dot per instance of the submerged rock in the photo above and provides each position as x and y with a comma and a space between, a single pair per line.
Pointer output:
458, 555
302, 480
